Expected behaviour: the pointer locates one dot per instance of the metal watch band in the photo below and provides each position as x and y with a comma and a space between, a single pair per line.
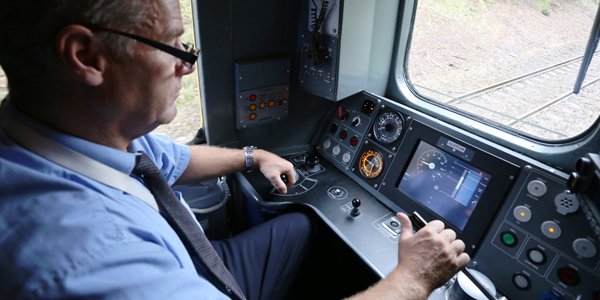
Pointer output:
249, 156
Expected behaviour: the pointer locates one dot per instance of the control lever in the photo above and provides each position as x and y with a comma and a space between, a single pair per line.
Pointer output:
355, 212
312, 160
312, 163
418, 222
284, 178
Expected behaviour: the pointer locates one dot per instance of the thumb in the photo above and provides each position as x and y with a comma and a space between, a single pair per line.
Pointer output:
406, 226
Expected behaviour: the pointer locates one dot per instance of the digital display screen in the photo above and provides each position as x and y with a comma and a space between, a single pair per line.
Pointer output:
445, 184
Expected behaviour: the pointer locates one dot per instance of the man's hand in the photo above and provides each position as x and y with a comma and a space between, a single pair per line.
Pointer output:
426, 260
432, 255
272, 166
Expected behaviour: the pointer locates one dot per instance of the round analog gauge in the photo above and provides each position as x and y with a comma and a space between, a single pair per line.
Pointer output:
388, 127
371, 164
431, 160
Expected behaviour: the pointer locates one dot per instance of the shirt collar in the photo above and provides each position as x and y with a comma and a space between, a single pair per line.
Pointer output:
119, 160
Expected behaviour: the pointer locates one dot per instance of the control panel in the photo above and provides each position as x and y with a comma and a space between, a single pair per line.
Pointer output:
541, 243
347, 131
262, 91
525, 232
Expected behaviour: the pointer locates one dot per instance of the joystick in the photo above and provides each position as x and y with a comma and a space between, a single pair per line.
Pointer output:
355, 212
284, 178
312, 163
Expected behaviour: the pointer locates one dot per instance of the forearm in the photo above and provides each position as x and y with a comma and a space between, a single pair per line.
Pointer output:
208, 162
398, 285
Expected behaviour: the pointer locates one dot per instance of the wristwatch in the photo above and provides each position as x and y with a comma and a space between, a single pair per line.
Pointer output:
249, 156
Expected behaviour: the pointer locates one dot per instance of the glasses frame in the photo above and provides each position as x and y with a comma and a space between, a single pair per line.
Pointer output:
189, 55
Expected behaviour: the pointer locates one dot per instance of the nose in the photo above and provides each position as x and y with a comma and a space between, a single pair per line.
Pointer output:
183, 67
190, 68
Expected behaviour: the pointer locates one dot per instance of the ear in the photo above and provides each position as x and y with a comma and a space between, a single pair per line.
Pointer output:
82, 54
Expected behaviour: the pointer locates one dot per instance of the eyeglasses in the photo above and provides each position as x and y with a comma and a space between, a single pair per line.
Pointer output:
189, 55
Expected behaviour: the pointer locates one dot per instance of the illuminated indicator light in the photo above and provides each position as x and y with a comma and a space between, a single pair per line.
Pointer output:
271, 103
252, 97
253, 107
262, 105
508, 239
551, 229
522, 214
252, 116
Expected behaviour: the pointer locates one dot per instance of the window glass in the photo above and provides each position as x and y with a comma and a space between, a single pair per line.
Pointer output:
189, 115
513, 62
3, 85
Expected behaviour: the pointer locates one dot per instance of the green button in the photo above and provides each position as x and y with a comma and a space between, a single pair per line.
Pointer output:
509, 239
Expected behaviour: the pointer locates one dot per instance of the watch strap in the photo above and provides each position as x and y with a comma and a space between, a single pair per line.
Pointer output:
249, 157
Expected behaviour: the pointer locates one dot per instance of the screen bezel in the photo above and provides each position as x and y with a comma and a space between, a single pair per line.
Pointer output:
502, 172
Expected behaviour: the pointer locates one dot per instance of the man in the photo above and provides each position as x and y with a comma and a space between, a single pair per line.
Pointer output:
75, 80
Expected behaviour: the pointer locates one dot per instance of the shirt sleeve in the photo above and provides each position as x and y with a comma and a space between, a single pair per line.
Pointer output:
170, 157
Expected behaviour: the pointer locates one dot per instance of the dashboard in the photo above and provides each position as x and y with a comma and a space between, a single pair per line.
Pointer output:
373, 157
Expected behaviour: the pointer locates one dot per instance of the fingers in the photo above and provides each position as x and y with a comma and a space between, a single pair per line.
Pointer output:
457, 246
406, 226
278, 183
436, 226
463, 260
291, 175
448, 235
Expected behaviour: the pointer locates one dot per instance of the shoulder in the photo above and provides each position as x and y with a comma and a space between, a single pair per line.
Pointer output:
170, 157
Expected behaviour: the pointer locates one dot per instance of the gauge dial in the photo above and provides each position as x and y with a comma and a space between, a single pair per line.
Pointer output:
430, 161
371, 164
388, 127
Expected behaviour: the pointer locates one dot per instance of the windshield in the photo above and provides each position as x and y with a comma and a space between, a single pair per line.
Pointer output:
510, 62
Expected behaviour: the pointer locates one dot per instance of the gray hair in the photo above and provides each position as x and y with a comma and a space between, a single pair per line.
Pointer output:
28, 30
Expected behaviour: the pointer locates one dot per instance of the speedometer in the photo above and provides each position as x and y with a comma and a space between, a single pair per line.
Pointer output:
388, 127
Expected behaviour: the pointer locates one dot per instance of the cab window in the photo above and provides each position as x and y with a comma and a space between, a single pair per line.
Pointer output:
509, 63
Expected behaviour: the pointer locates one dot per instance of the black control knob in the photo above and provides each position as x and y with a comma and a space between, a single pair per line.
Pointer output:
345, 115
284, 178
312, 160
355, 211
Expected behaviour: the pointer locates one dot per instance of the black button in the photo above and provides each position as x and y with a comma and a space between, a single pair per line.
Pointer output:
333, 128
568, 276
536, 256
521, 281
394, 224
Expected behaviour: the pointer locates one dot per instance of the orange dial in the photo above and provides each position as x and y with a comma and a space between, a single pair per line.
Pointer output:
371, 164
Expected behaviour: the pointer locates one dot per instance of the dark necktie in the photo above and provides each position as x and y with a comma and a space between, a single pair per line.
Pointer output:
182, 221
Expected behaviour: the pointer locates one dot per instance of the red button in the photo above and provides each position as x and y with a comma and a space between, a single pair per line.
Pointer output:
252, 97
353, 141
568, 276
343, 134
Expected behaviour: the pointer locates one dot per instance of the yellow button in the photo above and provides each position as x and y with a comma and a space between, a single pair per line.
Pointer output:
252, 116
271, 103
253, 107
262, 105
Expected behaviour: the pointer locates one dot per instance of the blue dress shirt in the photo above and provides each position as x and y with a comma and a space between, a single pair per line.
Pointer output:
63, 235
